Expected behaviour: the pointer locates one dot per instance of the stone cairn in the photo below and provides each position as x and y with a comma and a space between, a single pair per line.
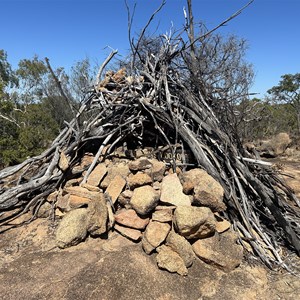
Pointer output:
176, 214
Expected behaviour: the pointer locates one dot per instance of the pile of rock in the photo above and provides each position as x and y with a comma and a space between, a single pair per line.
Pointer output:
176, 215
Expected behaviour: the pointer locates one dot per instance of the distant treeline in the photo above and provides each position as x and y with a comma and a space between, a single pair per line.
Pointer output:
37, 101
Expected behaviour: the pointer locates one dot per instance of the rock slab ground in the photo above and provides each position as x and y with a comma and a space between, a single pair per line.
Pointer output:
114, 268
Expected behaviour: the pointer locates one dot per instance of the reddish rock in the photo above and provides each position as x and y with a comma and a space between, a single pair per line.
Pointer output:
59, 214
164, 215
222, 225
138, 180
162, 207
190, 179
154, 235
129, 218
73, 182
207, 191
82, 192
157, 170
116, 242
63, 202
52, 197
86, 160
115, 187
91, 188
188, 187
77, 201
209, 199
120, 169
97, 175
130, 233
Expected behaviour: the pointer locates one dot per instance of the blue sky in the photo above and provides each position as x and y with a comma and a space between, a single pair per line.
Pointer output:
69, 30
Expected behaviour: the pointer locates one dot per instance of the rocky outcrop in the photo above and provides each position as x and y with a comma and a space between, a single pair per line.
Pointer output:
275, 146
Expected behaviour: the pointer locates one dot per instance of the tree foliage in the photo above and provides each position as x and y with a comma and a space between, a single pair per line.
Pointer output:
32, 108
7, 77
288, 91
262, 118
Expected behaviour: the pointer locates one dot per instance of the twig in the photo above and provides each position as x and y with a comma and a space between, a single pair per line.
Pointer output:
107, 60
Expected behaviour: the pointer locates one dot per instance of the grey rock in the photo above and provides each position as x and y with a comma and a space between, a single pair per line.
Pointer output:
73, 228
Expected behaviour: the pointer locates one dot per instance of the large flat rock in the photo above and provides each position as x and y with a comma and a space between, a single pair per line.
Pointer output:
32, 268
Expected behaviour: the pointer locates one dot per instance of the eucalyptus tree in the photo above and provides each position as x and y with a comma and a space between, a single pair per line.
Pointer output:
288, 91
